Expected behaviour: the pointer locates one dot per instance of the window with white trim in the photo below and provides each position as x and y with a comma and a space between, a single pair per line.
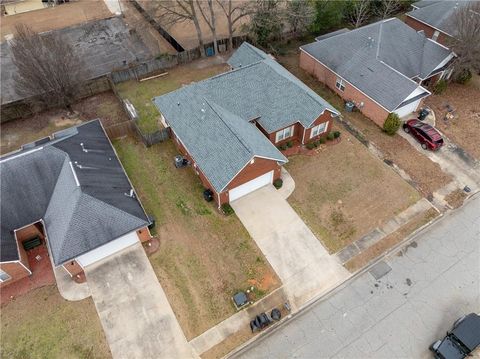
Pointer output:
435, 35
4, 276
340, 84
283, 134
319, 129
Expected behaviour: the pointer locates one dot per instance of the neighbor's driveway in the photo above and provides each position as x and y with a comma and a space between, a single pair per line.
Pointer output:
135, 314
297, 256
452, 160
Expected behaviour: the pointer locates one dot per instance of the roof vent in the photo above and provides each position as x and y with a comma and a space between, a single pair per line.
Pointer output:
421, 32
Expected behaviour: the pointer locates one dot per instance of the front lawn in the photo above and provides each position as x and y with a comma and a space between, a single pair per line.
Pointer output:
204, 257
140, 94
41, 324
464, 129
343, 192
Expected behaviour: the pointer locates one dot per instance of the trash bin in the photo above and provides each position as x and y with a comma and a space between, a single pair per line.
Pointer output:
422, 115
349, 106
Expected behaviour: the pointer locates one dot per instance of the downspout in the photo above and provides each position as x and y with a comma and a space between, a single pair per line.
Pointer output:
303, 137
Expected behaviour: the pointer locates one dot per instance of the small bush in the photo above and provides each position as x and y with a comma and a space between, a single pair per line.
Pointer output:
227, 209
317, 143
463, 77
290, 144
310, 146
322, 140
391, 124
283, 147
440, 87
330, 136
336, 134
278, 183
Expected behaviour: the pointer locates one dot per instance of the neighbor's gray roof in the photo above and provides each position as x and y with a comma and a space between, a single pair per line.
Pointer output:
380, 59
423, 3
104, 45
438, 14
246, 55
40, 183
330, 34
211, 116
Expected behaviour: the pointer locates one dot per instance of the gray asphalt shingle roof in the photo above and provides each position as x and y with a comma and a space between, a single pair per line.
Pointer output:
380, 59
438, 14
211, 117
104, 45
41, 183
246, 55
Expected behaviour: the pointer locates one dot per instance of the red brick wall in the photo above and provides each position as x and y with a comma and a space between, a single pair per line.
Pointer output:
326, 116
14, 270
297, 134
251, 171
370, 108
429, 31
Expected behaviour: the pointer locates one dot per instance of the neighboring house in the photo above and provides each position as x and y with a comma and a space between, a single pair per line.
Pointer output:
71, 193
434, 18
380, 67
229, 126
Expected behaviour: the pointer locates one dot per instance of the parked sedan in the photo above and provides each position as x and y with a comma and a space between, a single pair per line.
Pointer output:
428, 137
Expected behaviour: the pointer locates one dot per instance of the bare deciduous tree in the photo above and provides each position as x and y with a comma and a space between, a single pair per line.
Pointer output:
358, 12
49, 71
266, 22
465, 24
169, 12
235, 10
299, 14
210, 20
387, 8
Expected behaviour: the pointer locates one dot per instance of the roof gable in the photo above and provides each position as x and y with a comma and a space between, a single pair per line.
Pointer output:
246, 55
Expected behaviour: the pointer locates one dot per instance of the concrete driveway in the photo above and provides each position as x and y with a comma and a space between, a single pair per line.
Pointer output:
297, 256
135, 314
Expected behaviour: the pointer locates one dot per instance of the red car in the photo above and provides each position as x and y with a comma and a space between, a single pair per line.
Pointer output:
424, 133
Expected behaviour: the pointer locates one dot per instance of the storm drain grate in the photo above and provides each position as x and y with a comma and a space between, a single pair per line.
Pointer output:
379, 270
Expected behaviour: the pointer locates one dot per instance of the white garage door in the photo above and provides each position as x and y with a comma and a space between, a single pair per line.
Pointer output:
407, 109
250, 186
108, 249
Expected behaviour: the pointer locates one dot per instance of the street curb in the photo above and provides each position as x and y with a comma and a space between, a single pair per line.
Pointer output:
304, 308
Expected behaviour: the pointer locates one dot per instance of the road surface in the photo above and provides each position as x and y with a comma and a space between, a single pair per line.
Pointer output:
432, 282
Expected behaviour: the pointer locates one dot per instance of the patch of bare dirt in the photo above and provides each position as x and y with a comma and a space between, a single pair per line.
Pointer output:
464, 128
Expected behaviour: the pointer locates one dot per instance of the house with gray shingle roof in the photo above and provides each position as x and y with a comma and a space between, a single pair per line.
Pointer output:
380, 67
434, 18
231, 125
68, 193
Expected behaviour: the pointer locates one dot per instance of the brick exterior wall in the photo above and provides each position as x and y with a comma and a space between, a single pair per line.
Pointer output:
370, 108
429, 31
326, 116
251, 171
14, 270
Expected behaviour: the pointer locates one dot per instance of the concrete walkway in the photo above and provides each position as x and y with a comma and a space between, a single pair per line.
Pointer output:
68, 288
297, 256
288, 184
133, 308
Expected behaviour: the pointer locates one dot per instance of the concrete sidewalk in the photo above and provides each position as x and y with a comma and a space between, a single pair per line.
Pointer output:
133, 308
304, 266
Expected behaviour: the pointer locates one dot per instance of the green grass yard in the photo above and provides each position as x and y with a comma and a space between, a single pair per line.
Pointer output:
204, 256
140, 94
41, 324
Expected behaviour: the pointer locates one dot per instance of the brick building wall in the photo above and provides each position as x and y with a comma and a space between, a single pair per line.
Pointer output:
429, 31
251, 171
370, 108
15, 270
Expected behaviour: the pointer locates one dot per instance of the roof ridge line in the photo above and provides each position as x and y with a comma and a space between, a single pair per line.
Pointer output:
228, 125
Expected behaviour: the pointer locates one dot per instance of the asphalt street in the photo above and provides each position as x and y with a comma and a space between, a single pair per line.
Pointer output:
432, 282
